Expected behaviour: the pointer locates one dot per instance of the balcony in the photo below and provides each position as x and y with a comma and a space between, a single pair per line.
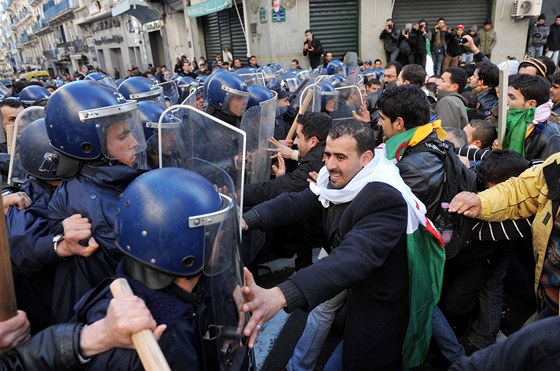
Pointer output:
50, 54
34, 3
58, 13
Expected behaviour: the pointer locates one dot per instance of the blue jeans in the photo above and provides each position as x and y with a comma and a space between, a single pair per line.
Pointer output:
491, 297
317, 328
445, 337
438, 62
535, 51
335, 360
467, 58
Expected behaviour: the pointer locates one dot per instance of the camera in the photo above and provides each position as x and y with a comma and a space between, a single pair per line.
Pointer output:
464, 40
390, 26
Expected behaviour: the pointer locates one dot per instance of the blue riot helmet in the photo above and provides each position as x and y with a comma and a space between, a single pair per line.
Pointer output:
226, 92
101, 77
245, 71
88, 120
336, 67
276, 68
337, 81
329, 97
185, 84
289, 81
164, 223
118, 82
141, 88
149, 114
4, 91
258, 94
32, 149
34, 95
202, 79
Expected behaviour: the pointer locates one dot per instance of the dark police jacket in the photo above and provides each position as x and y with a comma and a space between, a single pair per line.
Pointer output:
93, 193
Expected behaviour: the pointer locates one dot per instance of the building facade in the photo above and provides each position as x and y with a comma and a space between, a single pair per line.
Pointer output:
62, 35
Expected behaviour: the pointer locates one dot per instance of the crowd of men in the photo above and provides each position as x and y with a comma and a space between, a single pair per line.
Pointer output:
423, 212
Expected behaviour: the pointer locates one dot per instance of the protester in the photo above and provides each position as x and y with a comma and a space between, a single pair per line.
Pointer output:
312, 47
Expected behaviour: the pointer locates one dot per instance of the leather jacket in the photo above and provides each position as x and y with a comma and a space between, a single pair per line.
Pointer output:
55, 348
543, 144
423, 171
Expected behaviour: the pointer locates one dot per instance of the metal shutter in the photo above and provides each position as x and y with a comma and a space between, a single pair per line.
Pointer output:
467, 13
336, 24
223, 30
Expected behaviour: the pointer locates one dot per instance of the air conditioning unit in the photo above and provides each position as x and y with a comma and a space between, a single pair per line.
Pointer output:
526, 8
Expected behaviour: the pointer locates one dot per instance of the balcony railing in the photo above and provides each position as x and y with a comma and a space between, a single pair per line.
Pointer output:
51, 54
51, 9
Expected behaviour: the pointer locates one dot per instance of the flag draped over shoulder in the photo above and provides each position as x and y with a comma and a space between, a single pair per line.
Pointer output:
425, 253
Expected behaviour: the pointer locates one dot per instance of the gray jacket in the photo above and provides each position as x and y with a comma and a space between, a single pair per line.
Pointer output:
451, 109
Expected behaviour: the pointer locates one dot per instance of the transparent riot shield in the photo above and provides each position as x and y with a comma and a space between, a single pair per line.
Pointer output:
4, 91
352, 68
258, 122
209, 139
349, 100
324, 101
16, 173
170, 91
253, 79
222, 322
195, 99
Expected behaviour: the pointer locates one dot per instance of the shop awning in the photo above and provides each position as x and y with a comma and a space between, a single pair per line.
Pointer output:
139, 9
207, 7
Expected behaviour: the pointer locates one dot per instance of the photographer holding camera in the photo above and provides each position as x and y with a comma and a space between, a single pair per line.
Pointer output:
390, 36
418, 37
439, 44
454, 51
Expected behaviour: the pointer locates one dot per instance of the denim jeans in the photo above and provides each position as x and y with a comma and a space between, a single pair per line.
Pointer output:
535, 51
553, 55
445, 337
491, 297
467, 58
335, 360
438, 62
317, 328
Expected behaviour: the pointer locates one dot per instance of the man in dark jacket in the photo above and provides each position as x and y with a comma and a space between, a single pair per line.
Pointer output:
555, 93
311, 133
390, 36
538, 34
366, 224
553, 41
312, 47
483, 83
420, 34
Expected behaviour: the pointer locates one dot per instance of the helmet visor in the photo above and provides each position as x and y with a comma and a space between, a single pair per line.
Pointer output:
235, 101
168, 139
291, 85
121, 135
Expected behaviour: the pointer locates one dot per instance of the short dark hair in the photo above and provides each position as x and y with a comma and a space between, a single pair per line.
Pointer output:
459, 135
470, 96
489, 73
11, 102
371, 82
556, 78
414, 73
441, 19
531, 87
500, 165
295, 60
484, 131
377, 60
397, 65
408, 102
549, 63
458, 76
431, 86
315, 124
469, 68
251, 57
306, 31
364, 135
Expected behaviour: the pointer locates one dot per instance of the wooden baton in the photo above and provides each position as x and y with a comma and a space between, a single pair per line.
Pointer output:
10, 138
301, 111
8, 305
144, 341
